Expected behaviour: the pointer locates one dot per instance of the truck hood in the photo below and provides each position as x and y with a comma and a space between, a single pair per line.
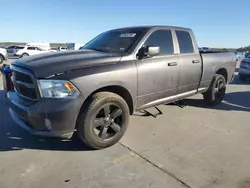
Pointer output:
48, 64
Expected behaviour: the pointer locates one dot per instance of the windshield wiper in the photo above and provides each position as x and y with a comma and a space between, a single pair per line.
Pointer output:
101, 50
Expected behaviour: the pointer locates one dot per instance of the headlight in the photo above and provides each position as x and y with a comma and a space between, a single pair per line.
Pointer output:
57, 89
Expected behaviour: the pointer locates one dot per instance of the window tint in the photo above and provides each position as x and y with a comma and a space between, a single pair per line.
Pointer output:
116, 41
31, 48
185, 42
163, 39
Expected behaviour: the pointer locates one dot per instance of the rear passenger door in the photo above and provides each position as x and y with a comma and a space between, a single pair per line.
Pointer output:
190, 64
158, 75
31, 50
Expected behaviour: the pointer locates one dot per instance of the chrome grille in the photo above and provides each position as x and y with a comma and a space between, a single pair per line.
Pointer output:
25, 83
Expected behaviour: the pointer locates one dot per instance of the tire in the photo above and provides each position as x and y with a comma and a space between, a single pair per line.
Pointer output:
105, 122
1, 59
242, 77
216, 92
24, 55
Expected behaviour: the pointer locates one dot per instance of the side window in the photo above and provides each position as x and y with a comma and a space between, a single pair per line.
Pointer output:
163, 39
11, 47
30, 48
185, 42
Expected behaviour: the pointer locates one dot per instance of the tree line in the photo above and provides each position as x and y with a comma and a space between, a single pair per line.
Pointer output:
244, 49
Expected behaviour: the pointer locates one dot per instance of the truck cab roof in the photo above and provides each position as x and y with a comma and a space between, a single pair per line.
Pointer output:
155, 26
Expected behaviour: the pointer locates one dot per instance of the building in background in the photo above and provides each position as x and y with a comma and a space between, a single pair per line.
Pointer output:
74, 46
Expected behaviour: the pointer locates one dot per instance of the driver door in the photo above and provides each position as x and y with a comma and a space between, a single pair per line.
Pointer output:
158, 75
10, 50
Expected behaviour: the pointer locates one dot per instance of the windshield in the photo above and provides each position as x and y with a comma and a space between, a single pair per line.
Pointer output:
115, 41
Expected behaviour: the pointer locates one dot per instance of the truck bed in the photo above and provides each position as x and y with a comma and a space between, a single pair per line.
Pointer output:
210, 52
217, 61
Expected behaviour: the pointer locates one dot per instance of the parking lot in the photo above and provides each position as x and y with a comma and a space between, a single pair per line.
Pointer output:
193, 147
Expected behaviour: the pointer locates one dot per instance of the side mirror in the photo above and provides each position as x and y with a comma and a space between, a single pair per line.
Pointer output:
153, 50
149, 51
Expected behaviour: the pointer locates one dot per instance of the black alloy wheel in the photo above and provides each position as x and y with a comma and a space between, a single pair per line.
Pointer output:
103, 120
108, 121
219, 90
216, 92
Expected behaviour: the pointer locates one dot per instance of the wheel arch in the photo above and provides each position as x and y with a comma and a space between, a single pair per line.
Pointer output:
119, 90
1, 55
223, 72
25, 53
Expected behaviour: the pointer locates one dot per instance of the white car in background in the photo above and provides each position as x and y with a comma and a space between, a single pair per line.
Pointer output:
43, 45
61, 49
3, 55
53, 50
29, 50
58, 49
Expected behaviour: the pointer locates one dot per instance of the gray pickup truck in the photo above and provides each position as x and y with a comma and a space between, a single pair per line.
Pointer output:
93, 91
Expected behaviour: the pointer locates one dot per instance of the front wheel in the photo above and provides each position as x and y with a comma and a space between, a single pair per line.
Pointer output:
104, 120
216, 92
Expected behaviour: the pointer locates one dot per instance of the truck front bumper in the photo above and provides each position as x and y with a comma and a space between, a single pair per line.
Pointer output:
47, 117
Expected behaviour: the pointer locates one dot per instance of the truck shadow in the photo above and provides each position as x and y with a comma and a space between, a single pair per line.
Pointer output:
237, 101
12, 137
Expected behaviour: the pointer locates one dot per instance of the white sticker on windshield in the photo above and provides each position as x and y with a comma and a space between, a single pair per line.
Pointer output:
128, 35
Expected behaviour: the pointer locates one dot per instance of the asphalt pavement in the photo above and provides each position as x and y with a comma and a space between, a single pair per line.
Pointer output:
191, 147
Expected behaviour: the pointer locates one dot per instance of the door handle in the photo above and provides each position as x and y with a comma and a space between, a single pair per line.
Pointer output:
196, 61
172, 64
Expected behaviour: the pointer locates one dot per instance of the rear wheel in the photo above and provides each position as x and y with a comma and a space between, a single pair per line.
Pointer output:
242, 77
104, 120
216, 92
24, 55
